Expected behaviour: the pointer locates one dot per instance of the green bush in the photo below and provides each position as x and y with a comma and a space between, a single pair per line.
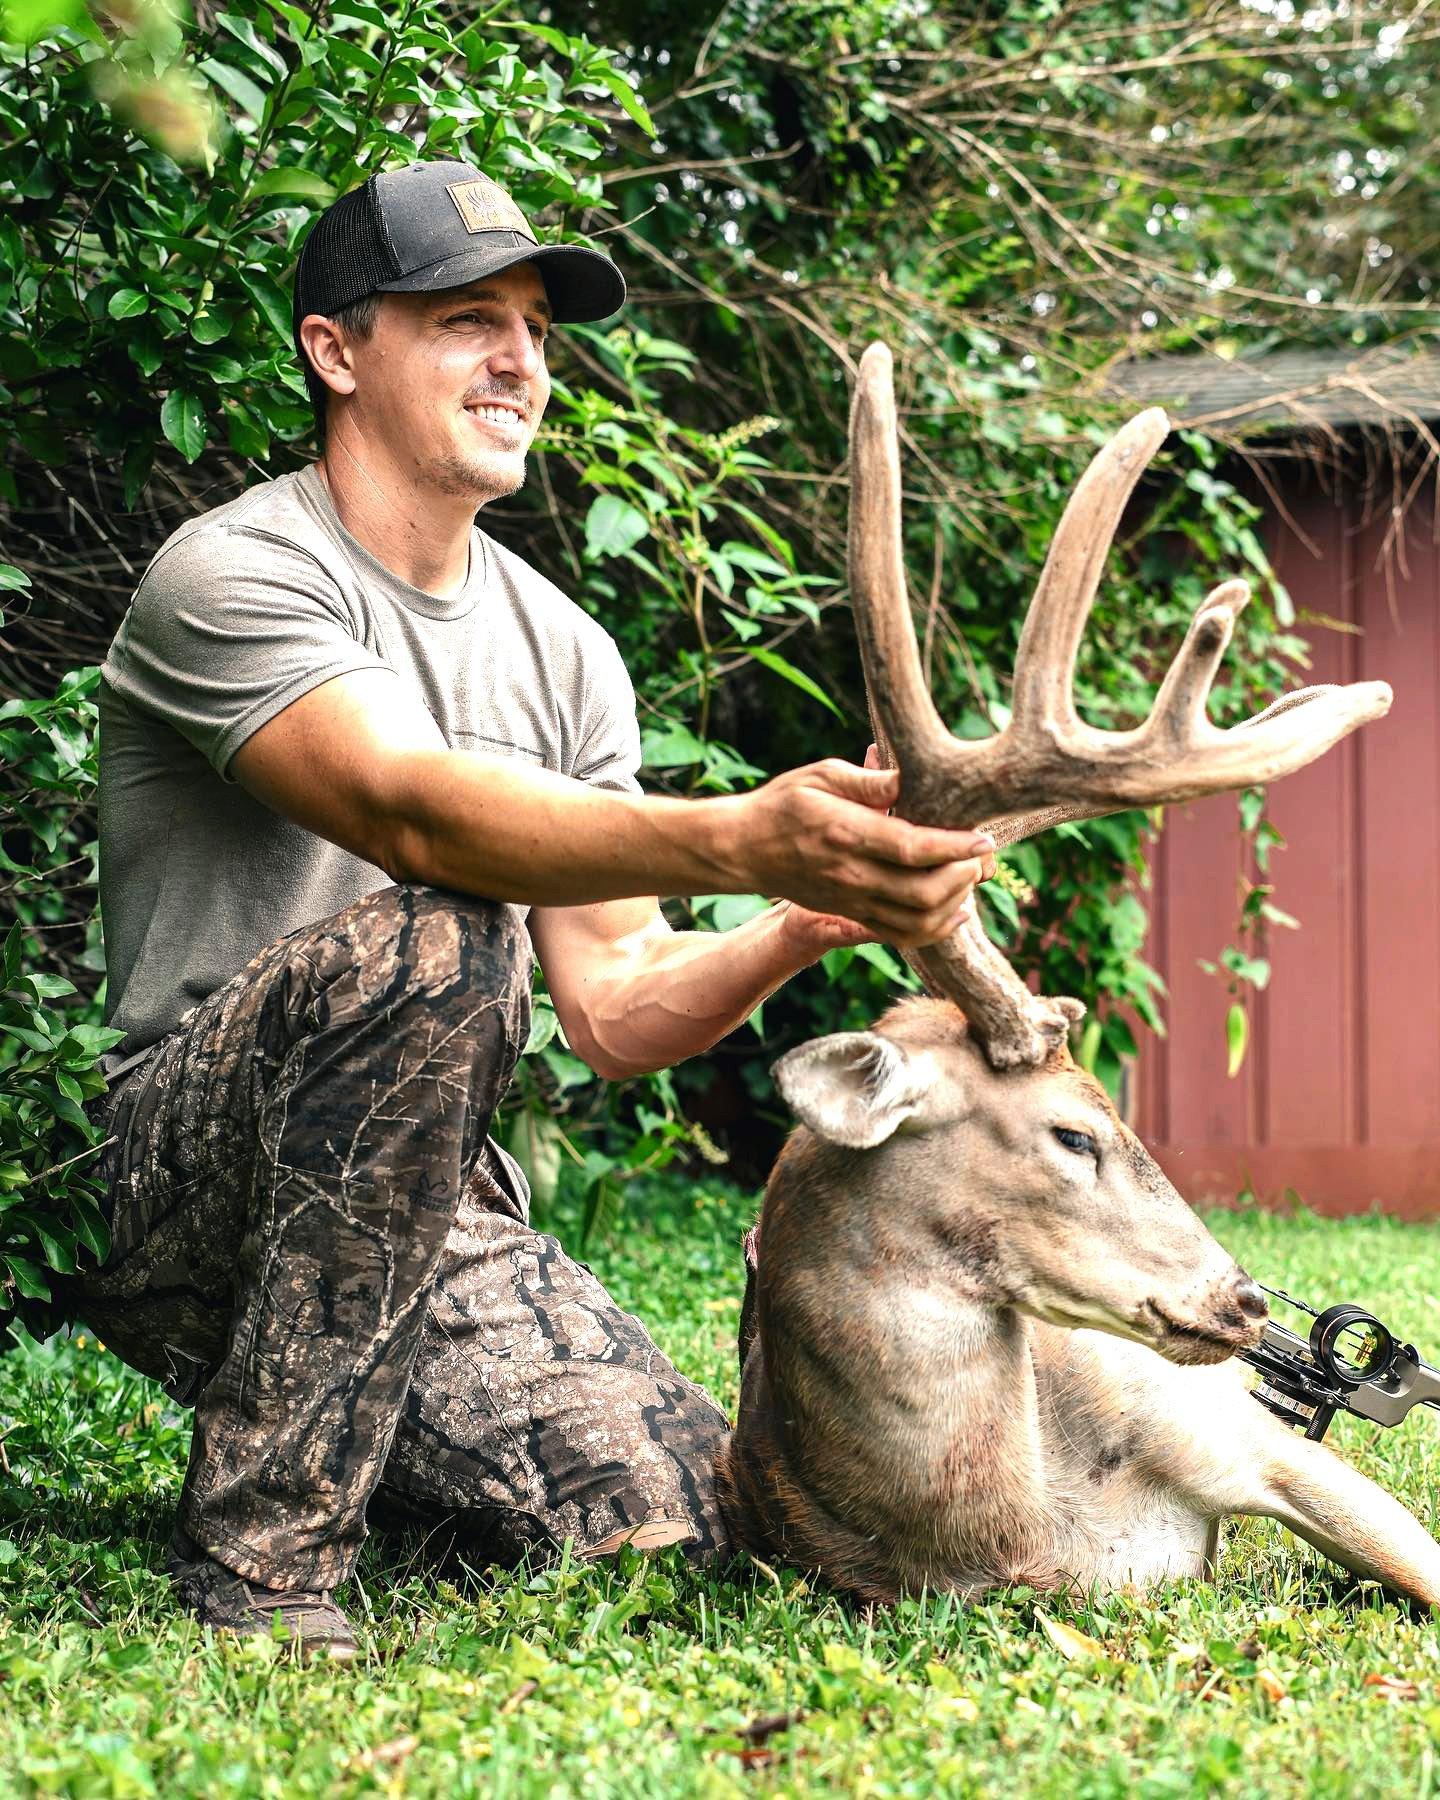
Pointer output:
48, 1193
1014, 197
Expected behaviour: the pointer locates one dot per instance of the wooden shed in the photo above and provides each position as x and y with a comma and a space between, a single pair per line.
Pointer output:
1338, 1099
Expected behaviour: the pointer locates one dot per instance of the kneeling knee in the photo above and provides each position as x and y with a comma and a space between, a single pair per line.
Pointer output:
431, 943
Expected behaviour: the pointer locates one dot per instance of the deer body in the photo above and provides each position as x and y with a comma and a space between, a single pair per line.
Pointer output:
934, 1393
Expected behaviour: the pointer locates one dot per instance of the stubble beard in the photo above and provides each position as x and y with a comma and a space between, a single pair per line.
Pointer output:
480, 479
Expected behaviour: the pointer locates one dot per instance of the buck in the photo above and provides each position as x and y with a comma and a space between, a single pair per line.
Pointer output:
986, 1341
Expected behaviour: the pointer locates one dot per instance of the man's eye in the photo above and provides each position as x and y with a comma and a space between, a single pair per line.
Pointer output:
1080, 1142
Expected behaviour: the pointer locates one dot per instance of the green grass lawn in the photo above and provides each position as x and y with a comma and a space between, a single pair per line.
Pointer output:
643, 1677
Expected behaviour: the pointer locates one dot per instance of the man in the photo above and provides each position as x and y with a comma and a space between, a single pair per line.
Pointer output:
347, 741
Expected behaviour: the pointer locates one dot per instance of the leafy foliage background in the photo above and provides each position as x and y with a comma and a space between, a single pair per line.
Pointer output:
1015, 195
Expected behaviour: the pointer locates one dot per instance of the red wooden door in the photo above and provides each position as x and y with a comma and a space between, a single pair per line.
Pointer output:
1339, 1096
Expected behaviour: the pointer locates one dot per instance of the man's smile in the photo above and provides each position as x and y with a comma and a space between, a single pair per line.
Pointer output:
506, 415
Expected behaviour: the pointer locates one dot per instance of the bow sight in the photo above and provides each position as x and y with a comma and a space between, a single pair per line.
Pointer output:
1349, 1363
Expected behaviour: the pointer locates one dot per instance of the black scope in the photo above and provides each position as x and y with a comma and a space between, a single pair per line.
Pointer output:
1349, 1363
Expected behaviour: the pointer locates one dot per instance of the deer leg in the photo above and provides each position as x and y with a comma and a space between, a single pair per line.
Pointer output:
1211, 1440
1346, 1516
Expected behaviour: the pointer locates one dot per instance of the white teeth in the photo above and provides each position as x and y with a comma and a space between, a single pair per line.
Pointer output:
496, 415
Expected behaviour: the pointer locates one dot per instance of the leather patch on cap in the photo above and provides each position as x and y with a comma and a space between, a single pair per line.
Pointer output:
485, 206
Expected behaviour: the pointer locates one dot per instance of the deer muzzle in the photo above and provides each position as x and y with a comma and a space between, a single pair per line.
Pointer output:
1231, 1317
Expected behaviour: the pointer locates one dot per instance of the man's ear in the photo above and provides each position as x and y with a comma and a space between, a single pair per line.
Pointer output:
855, 1087
328, 350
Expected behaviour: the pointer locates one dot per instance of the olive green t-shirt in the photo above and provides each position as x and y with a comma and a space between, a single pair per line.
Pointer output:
242, 611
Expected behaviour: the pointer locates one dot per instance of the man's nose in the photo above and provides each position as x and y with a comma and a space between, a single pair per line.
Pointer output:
516, 352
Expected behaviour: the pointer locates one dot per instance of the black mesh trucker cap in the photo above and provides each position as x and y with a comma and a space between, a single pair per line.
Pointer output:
440, 225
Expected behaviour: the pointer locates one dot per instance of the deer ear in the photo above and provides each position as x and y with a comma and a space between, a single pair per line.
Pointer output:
854, 1088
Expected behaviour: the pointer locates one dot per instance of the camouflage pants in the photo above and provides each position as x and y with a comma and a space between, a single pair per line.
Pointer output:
313, 1243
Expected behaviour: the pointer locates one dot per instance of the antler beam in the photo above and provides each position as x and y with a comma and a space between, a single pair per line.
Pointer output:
1048, 765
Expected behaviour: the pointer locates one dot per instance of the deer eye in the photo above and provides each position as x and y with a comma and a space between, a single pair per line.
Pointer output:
1080, 1142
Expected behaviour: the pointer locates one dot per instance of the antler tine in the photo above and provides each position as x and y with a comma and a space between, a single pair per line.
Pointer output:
1179, 709
1041, 694
907, 728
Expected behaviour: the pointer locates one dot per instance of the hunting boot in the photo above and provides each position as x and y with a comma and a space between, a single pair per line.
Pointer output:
219, 1598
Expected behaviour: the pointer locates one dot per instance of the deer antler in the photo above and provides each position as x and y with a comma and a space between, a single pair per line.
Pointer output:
1048, 766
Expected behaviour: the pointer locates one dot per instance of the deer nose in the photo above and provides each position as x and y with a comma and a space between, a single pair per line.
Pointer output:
1250, 1299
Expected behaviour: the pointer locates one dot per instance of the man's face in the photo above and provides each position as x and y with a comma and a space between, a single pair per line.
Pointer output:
454, 383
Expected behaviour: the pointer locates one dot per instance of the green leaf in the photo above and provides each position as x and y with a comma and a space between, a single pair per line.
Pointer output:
547, 34
744, 629
90, 1226
125, 303
28, 1280
223, 370
58, 1251
1237, 1036
1254, 969
620, 87
27, 21
211, 326
182, 419
777, 665
886, 962
544, 1023
49, 987
94, 1040
303, 184
248, 95
245, 33
613, 526
143, 347
135, 473
1252, 807
11, 577
247, 436
271, 300
731, 910
756, 561
670, 746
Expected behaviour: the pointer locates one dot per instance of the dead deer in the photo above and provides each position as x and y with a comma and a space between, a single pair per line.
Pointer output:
986, 1340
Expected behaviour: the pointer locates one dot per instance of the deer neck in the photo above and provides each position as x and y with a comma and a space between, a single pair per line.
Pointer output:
906, 1386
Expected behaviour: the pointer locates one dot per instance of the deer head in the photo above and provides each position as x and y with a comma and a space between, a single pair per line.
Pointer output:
1048, 765
1020, 1189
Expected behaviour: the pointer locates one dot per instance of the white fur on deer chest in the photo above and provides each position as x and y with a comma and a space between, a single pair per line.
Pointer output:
1112, 1414
1162, 1540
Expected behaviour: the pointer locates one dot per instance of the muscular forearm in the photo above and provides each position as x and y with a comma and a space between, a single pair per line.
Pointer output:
667, 995
484, 825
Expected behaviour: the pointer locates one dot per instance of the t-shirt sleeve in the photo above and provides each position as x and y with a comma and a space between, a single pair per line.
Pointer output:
609, 752
226, 629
